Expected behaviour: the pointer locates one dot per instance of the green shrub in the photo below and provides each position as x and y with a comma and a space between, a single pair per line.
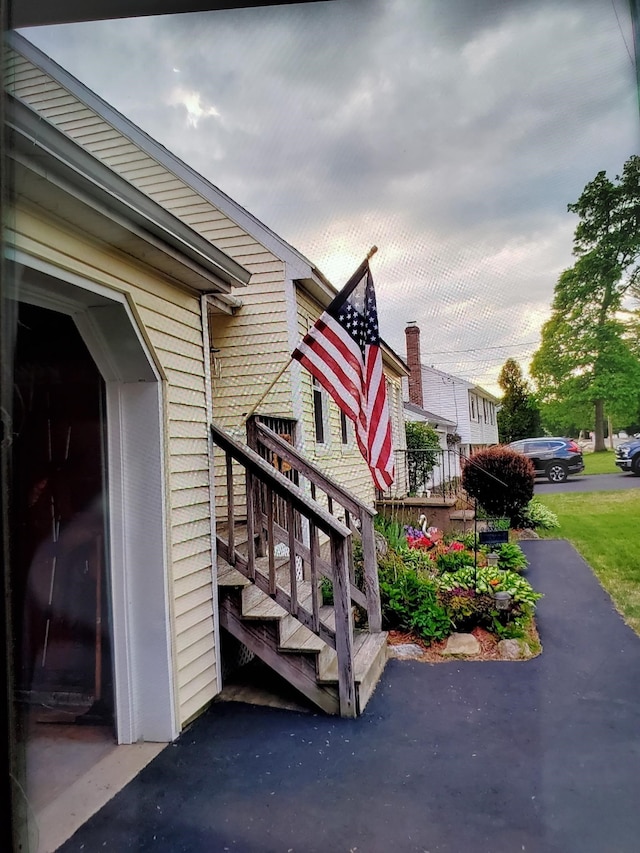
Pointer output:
501, 480
537, 515
511, 556
487, 580
416, 559
410, 602
451, 561
393, 531
465, 608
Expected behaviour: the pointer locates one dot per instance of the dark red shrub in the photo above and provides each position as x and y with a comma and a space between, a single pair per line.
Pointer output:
501, 480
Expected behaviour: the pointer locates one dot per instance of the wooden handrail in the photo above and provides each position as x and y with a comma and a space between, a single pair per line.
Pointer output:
283, 487
351, 503
289, 453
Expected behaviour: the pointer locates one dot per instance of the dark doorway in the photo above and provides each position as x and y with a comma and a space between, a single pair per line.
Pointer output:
59, 566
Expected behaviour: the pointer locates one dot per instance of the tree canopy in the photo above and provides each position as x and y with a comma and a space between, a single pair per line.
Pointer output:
586, 366
519, 413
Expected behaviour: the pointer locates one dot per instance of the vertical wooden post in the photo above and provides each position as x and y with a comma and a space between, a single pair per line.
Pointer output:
251, 485
344, 629
231, 514
315, 602
271, 544
253, 441
371, 583
292, 559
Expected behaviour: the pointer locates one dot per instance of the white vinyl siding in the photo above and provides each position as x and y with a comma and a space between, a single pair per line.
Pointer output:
170, 319
125, 157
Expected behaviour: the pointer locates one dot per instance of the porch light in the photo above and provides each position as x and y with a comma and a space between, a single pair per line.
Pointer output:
502, 600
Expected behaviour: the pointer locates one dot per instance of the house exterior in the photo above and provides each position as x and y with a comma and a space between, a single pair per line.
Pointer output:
251, 338
183, 308
471, 409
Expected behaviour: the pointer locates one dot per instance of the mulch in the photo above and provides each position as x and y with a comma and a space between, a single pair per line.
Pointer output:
432, 653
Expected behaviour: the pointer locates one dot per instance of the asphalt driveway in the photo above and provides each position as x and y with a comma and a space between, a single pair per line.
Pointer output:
540, 756
589, 483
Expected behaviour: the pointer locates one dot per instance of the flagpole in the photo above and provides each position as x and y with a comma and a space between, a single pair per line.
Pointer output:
279, 375
251, 411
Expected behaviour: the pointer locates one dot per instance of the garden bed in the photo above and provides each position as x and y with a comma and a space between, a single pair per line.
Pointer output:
433, 653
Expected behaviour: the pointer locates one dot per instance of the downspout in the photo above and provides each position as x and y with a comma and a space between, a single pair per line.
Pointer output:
208, 393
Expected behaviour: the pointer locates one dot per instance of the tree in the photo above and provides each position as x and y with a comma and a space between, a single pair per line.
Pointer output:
519, 413
585, 360
423, 446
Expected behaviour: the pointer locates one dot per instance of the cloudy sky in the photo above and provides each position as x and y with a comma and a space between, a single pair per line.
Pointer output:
451, 135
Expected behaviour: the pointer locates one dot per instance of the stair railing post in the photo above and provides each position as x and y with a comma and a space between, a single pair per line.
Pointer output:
253, 441
371, 582
344, 628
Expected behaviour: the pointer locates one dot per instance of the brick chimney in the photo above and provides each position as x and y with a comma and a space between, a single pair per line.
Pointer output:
412, 334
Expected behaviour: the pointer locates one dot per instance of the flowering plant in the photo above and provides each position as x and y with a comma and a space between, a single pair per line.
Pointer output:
419, 540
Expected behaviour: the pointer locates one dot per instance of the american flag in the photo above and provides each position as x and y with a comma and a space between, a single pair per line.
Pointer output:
342, 351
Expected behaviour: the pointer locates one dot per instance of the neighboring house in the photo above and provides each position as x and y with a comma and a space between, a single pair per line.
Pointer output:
142, 253
471, 409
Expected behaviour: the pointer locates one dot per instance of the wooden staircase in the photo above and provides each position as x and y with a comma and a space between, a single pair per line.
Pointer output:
291, 649
272, 603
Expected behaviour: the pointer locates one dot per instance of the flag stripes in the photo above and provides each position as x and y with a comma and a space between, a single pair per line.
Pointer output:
342, 351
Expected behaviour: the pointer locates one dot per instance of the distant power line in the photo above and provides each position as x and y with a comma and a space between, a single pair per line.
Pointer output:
480, 349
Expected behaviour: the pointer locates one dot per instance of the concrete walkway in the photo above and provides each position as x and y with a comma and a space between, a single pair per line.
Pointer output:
540, 756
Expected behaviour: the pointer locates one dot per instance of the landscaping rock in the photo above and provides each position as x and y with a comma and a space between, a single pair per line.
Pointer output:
461, 644
525, 533
513, 649
406, 650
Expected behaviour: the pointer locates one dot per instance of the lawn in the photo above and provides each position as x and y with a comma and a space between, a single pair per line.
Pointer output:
604, 528
600, 463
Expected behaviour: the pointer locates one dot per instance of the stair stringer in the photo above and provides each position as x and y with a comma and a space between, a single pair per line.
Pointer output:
261, 636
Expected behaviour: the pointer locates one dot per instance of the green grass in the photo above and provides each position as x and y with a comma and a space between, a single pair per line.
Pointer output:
604, 527
600, 463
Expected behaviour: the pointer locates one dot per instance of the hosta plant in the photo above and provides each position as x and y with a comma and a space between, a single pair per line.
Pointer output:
511, 556
487, 580
537, 515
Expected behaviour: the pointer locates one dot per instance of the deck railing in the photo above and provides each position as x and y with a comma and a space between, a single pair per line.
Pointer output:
355, 514
433, 472
297, 587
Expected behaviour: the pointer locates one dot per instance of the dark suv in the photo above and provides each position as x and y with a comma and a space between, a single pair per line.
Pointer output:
553, 458
628, 455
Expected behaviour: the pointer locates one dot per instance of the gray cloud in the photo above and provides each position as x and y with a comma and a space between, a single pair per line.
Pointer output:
452, 135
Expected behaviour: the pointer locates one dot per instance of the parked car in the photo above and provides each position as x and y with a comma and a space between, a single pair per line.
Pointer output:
628, 456
554, 458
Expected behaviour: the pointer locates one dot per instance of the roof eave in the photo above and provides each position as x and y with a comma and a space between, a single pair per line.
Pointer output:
42, 148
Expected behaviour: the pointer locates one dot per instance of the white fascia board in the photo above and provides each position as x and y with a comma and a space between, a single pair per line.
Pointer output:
267, 238
44, 150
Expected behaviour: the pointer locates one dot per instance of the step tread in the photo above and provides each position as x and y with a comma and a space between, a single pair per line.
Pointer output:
258, 605
366, 649
302, 640
228, 576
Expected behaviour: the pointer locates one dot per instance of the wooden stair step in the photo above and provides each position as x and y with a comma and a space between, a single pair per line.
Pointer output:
228, 576
302, 640
328, 616
258, 605
366, 650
